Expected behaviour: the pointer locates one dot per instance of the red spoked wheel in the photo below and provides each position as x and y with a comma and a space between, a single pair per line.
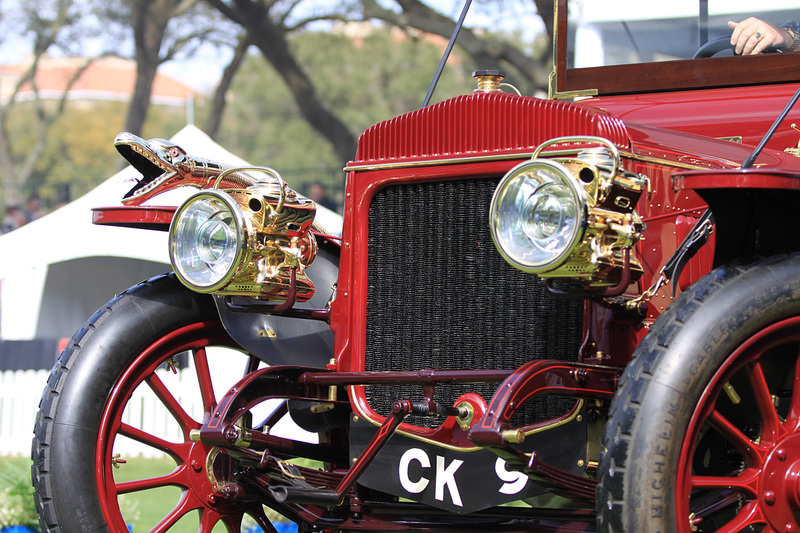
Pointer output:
199, 469
117, 393
743, 442
704, 431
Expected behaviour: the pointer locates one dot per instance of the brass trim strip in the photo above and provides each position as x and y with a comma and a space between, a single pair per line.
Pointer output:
552, 82
520, 156
571, 95
438, 162
685, 166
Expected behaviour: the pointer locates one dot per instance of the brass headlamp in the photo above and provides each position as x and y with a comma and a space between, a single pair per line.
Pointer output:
247, 242
571, 217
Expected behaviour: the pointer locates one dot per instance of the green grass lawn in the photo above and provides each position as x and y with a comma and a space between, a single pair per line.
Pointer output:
16, 494
143, 509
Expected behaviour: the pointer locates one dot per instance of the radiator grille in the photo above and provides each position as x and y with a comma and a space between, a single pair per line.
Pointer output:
441, 296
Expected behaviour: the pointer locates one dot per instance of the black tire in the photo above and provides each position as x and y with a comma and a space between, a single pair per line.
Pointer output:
678, 442
115, 351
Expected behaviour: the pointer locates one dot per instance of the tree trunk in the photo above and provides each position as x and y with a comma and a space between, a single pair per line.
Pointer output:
546, 10
150, 18
218, 105
271, 41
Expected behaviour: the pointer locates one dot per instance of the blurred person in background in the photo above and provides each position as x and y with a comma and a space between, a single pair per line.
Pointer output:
319, 193
15, 218
35, 208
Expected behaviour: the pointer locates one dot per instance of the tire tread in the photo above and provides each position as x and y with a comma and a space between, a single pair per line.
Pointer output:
44, 426
653, 354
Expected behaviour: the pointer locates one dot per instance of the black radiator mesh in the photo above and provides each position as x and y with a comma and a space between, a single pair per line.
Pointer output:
441, 296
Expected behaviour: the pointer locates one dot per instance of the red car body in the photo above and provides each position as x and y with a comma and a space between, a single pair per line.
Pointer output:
639, 375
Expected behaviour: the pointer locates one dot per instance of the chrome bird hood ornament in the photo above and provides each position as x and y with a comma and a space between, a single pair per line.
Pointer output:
164, 166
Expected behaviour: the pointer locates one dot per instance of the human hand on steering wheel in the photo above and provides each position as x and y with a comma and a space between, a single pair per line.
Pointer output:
753, 36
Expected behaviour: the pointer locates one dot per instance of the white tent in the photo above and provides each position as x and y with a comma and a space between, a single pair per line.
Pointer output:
57, 270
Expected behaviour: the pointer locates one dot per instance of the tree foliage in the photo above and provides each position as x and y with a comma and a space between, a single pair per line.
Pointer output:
46, 140
161, 31
367, 74
324, 72
46, 25
269, 23
487, 50
267, 27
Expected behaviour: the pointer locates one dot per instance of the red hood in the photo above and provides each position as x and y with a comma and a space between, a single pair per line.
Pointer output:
743, 112
480, 124
697, 151
500, 124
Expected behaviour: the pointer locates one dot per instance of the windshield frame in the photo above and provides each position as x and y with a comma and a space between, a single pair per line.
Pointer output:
664, 75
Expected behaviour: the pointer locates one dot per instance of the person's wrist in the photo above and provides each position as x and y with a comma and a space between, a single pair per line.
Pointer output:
794, 39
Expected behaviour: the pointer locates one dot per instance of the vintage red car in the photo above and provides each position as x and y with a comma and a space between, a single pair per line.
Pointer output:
579, 313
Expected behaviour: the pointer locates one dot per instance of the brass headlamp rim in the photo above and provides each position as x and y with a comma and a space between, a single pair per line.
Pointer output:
243, 236
561, 174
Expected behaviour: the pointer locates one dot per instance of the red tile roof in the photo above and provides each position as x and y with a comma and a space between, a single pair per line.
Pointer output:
108, 78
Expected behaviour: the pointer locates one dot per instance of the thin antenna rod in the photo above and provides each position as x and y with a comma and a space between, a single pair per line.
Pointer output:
752, 159
446, 54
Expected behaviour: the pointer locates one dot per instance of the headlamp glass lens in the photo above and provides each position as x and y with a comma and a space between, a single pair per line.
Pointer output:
549, 216
536, 215
205, 242
216, 240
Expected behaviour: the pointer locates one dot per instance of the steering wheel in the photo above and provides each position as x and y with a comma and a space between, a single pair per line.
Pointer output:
721, 44
714, 46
